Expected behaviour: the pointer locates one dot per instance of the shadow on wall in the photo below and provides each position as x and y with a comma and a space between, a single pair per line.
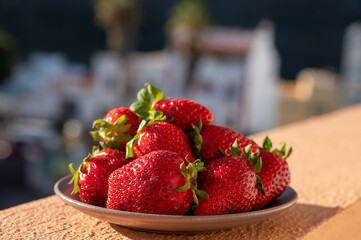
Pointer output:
293, 223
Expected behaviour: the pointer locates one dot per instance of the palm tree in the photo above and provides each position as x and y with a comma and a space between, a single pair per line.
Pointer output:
119, 18
187, 22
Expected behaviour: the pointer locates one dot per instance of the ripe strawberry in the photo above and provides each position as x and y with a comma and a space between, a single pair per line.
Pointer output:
160, 136
116, 128
113, 115
231, 184
91, 178
155, 183
213, 141
182, 112
275, 173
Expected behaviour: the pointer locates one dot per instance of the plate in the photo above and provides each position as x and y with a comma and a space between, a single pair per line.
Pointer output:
172, 223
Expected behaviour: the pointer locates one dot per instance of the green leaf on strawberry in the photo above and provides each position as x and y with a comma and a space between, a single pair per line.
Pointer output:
110, 135
235, 150
143, 107
202, 194
256, 162
267, 147
247, 151
158, 116
75, 179
267, 144
222, 152
260, 185
196, 139
129, 148
155, 92
290, 150
142, 125
190, 174
130, 144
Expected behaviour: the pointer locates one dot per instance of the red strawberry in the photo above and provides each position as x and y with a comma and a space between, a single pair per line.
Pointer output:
91, 178
153, 183
160, 136
116, 128
275, 173
184, 112
113, 115
181, 112
213, 141
231, 184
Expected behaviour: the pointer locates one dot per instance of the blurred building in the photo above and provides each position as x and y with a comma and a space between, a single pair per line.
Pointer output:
311, 31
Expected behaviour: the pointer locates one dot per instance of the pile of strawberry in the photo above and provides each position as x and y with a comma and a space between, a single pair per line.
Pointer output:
163, 156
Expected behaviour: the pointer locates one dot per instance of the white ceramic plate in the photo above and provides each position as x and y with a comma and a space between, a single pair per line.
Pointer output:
174, 224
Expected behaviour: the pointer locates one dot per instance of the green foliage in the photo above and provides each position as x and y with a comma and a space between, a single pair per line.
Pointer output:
126, 12
192, 13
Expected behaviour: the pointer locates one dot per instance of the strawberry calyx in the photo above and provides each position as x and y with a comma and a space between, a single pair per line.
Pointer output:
144, 106
267, 147
190, 173
110, 135
130, 144
253, 158
144, 109
75, 179
196, 139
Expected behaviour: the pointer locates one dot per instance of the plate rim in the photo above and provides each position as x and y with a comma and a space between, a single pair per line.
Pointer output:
173, 218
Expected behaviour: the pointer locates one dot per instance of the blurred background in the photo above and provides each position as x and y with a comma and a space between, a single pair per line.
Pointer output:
256, 64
